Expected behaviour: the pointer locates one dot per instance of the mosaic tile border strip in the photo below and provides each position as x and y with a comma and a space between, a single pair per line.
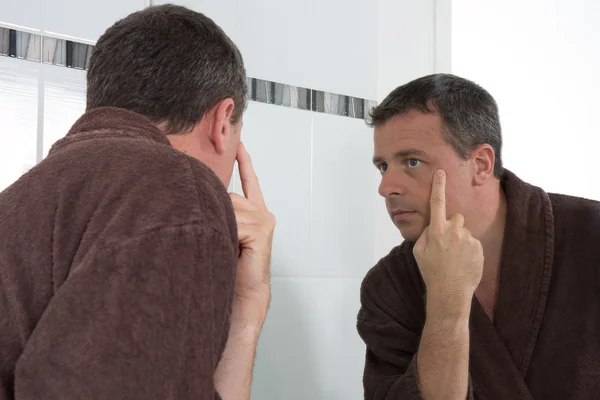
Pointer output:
281, 94
66, 53
48, 50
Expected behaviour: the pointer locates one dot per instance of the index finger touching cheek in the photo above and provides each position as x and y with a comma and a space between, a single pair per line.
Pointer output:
437, 201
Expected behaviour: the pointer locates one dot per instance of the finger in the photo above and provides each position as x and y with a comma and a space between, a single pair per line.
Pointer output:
248, 177
247, 217
437, 202
248, 233
241, 203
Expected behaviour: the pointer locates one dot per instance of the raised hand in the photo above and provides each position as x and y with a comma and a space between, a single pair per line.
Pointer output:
449, 257
255, 232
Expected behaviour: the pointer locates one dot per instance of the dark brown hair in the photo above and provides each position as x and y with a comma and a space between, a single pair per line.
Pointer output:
469, 113
168, 63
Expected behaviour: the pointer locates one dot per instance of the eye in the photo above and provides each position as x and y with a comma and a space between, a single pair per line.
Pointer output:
382, 167
413, 163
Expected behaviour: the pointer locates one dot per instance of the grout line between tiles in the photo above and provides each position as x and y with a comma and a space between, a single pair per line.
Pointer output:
310, 188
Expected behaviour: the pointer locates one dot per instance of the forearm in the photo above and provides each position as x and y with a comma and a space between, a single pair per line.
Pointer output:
233, 378
443, 356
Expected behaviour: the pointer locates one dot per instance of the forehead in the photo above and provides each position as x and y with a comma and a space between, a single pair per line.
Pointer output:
413, 129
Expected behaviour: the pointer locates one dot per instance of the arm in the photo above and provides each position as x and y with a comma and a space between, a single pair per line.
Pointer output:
143, 319
404, 354
233, 378
255, 225
443, 357
450, 263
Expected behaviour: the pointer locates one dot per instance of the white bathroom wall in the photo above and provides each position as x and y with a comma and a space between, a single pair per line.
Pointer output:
38, 101
19, 85
539, 59
63, 102
316, 175
83, 20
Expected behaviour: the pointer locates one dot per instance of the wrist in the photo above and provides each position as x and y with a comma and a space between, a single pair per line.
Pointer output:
249, 311
452, 308
246, 333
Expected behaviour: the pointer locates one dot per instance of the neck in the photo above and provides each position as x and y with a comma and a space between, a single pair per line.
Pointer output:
189, 144
490, 219
489, 229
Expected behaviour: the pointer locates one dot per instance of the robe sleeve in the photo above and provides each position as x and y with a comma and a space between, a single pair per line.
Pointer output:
143, 319
390, 370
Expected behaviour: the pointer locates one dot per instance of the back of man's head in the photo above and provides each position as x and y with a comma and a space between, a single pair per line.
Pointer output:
168, 63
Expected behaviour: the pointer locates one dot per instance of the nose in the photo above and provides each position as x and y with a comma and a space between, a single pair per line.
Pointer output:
392, 183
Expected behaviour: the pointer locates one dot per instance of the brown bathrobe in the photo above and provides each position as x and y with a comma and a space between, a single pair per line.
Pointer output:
545, 339
117, 264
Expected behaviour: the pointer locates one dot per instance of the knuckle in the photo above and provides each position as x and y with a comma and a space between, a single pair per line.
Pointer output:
436, 233
459, 218
437, 200
476, 244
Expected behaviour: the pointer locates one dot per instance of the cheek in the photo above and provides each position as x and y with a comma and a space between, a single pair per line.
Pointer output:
456, 200
234, 141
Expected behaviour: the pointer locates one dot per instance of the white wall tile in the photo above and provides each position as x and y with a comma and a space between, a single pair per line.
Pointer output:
19, 116
276, 41
223, 12
64, 102
343, 198
309, 347
405, 41
26, 13
278, 140
307, 43
345, 47
85, 19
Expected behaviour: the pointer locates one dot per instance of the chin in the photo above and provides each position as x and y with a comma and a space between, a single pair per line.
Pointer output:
411, 233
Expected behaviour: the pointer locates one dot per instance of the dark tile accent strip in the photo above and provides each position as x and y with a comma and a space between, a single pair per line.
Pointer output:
318, 101
69, 54
304, 99
66, 53
12, 47
278, 93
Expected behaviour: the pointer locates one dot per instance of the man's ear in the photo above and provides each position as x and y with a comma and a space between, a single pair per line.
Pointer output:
484, 160
220, 123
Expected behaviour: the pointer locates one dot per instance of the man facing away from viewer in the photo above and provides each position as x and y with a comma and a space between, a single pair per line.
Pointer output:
126, 270
494, 292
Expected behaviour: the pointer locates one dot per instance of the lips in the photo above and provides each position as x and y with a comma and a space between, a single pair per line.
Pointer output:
402, 216
400, 212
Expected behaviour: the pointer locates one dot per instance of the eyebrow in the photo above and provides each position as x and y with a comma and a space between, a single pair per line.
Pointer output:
401, 154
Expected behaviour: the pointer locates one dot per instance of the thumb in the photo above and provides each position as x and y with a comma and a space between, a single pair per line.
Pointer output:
421, 243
